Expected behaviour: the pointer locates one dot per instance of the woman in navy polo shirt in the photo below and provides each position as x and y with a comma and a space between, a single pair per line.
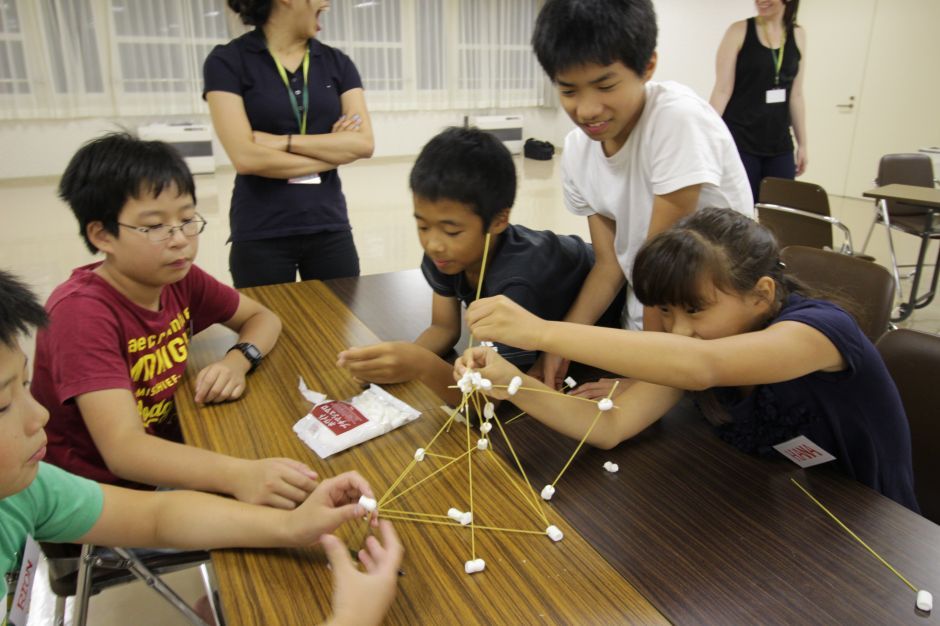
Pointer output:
288, 110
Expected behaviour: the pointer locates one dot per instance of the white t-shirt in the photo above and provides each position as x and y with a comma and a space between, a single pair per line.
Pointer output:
678, 141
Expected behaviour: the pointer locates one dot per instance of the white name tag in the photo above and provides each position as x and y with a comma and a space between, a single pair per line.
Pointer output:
776, 96
312, 179
803, 452
19, 613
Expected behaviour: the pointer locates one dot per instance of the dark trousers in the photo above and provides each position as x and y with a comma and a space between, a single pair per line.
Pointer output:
760, 167
272, 261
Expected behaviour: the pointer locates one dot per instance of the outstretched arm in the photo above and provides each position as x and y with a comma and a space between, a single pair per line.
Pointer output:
783, 351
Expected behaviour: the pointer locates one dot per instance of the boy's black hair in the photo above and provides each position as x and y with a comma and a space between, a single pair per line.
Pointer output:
109, 170
19, 309
569, 33
469, 166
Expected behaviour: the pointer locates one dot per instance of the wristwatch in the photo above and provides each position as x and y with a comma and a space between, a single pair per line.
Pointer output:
251, 352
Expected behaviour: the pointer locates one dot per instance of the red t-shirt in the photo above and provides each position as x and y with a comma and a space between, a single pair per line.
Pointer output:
97, 339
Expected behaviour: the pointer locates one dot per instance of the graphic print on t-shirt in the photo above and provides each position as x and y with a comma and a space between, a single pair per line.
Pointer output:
157, 364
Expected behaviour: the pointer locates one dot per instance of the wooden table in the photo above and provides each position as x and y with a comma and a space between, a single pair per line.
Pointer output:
705, 533
924, 226
528, 578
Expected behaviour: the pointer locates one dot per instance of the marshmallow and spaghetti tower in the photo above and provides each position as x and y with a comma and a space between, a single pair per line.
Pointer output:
474, 400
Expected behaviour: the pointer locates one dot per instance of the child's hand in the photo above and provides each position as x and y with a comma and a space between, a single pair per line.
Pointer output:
347, 122
490, 365
364, 597
550, 369
334, 501
281, 483
219, 382
598, 389
387, 362
500, 319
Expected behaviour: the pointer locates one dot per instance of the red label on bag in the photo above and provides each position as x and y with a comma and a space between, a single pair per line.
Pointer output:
338, 416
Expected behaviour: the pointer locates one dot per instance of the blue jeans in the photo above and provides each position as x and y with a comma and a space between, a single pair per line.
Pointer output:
760, 167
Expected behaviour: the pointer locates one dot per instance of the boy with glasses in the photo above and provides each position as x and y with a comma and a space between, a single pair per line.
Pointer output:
116, 348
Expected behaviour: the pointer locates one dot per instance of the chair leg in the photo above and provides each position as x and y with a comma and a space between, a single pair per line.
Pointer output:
138, 569
212, 592
59, 618
86, 564
894, 258
871, 228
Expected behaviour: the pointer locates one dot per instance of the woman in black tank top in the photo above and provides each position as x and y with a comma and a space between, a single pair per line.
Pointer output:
759, 91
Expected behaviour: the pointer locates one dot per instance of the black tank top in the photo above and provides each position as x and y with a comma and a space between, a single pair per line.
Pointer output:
757, 127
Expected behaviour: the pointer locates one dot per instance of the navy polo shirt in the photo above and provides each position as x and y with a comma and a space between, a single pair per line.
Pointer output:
263, 208
540, 271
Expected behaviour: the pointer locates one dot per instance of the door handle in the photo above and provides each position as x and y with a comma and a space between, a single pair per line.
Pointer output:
849, 105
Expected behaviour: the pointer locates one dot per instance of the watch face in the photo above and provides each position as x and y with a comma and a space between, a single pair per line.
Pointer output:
253, 353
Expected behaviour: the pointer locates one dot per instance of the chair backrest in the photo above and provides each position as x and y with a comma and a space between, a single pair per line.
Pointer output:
913, 358
913, 168
869, 287
794, 229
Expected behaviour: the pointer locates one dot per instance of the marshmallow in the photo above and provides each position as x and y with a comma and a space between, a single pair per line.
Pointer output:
611, 467
486, 384
924, 600
454, 514
489, 410
477, 379
547, 492
605, 404
482, 444
419, 454
465, 518
514, 385
486, 344
486, 427
367, 503
554, 533
474, 566
571, 382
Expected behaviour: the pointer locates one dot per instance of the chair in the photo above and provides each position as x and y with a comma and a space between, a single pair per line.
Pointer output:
913, 359
908, 169
798, 214
85, 570
869, 286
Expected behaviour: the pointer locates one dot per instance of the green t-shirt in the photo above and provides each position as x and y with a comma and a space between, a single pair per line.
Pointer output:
56, 507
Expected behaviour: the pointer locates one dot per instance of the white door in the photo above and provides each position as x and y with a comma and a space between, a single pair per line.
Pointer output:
837, 34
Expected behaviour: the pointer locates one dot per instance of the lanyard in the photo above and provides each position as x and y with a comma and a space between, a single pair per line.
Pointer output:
775, 54
297, 106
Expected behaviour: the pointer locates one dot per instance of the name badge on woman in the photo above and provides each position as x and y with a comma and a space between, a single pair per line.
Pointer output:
776, 96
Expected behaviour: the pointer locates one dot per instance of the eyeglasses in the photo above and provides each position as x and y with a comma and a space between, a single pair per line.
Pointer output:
162, 232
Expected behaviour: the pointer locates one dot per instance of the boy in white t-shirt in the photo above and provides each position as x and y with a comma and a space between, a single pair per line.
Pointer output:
644, 154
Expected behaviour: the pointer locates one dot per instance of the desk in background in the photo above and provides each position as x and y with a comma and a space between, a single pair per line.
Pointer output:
705, 533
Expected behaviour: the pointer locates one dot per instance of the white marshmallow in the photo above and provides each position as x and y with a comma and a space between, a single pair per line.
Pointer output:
605, 404
489, 410
474, 566
486, 344
571, 382
477, 379
483, 444
486, 427
486, 384
514, 385
465, 518
924, 600
554, 533
454, 514
367, 503
419, 454
611, 467
547, 492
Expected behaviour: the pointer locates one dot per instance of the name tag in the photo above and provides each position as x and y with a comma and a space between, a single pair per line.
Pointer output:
312, 179
19, 613
803, 452
776, 96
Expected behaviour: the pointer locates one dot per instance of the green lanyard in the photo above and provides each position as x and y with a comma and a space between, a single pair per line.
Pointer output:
297, 107
775, 54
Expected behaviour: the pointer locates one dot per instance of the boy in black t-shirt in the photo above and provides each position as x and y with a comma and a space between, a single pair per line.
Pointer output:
464, 185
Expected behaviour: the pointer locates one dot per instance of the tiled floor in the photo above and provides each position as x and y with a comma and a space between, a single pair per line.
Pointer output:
39, 242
